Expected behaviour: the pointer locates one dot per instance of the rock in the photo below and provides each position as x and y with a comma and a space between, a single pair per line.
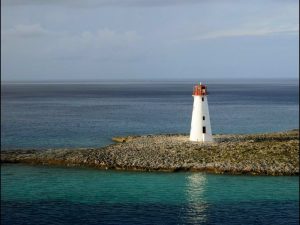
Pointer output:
122, 139
272, 154
119, 139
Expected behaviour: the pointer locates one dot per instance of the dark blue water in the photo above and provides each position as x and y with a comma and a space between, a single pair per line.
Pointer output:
82, 115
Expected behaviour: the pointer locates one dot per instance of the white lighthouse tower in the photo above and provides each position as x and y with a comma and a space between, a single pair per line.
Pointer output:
200, 125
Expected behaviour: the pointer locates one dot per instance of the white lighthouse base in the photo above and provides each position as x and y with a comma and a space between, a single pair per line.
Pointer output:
200, 125
201, 138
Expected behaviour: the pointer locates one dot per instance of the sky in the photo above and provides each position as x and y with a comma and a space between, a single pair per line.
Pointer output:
149, 39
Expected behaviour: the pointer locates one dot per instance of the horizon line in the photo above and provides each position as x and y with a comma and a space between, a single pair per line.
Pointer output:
173, 80
152, 79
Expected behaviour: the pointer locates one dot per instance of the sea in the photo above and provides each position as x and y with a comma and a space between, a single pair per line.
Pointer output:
43, 115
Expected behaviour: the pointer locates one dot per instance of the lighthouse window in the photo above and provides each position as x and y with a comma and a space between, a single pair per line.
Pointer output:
202, 99
203, 117
204, 130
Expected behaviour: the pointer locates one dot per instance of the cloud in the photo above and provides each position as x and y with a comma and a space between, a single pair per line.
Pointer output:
102, 40
100, 3
99, 38
123, 3
104, 44
26, 31
244, 32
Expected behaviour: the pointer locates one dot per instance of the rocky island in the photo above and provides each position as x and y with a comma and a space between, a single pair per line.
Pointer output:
261, 154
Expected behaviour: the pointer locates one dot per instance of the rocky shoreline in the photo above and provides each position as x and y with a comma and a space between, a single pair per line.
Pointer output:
259, 154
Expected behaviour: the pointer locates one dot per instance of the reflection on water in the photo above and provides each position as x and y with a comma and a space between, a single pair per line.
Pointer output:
195, 211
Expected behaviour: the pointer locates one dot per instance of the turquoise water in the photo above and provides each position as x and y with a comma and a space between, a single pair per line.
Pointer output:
54, 195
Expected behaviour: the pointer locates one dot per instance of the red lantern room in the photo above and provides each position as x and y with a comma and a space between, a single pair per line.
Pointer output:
200, 90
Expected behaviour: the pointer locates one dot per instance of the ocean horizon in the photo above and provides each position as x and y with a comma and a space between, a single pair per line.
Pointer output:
154, 80
43, 115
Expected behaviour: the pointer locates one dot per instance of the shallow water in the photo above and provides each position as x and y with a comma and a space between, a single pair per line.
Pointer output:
53, 195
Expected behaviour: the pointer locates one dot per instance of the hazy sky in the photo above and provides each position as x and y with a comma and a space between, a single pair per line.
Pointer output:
149, 39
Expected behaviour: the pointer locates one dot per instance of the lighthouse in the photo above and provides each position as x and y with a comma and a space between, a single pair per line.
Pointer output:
200, 125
